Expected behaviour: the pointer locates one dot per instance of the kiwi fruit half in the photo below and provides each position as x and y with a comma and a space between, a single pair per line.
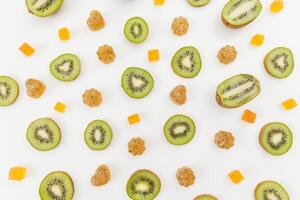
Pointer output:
137, 82
57, 185
238, 13
279, 62
205, 197
198, 3
187, 62
98, 135
9, 90
43, 8
276, 138
237, 90
179, 129
143, 184
65, 67
136, 30
43, 134
270, 190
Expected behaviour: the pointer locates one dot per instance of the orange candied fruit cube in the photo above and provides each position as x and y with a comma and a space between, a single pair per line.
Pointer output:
289, 104
17, 173
159, 2
60, 107
133, 119
64, 34
257, 40
26, 49
276, 6
236, 176
153, 55
249, 116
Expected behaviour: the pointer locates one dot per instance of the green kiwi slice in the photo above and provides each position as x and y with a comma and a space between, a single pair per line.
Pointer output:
57, 185
98, 135
276, 138
179, 129
279, 62
237, 90
205, 197
43, 134
9, 90
43, 8
270, 190
238, 13
137, 82
143, 184
187, 62
65, 67
198, 3
136, 30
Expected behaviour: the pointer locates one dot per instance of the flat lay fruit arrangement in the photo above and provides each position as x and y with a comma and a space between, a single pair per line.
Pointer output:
156, 104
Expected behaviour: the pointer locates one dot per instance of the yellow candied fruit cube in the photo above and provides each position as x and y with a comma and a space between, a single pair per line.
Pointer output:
133, 119
236, 176
60, 107
64, 34
159, 2
26, 49
289, 104
249, 116
276, 6
153, 55
17, 173
257, 40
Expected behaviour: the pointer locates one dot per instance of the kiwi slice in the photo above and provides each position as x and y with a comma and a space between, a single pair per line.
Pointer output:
98, 135
270, 190
65, 67
198, 3
9, 90
137, 82
276, 138
205, 197
136, 30
279, 62
143, 184
237, 90
179, 129
57, 185
43, 134
187, 62
43, 8
238, 13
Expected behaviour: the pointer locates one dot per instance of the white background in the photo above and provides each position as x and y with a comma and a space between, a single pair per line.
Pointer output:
209, 163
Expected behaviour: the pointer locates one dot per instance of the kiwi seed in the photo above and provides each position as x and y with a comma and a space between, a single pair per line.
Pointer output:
276, 138
238, 13
143, 184
237, 90
270, 190
57, 185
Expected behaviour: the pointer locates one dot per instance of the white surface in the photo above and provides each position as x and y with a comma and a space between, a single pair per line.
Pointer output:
208, 34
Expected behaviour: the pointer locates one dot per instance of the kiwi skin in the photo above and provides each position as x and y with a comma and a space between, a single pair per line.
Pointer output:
199, 5
42, 149
219, 101
59, 6
257, 188
145, 171
206, 196
17, 85
234, 26
266, 63
261, 139
62, 172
